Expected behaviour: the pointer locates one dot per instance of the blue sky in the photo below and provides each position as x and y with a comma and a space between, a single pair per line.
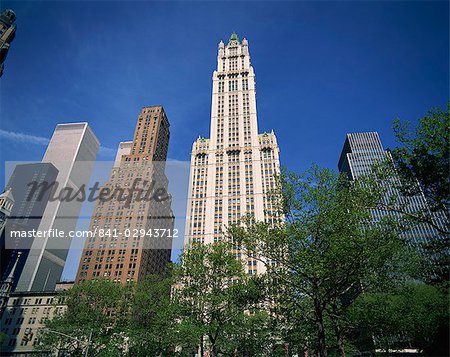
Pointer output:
323, 69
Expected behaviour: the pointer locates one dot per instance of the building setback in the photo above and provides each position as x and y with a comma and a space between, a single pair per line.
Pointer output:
127, 241
232, 171
72, 150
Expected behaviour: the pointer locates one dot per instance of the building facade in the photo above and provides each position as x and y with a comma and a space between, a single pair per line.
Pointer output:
6, 206
232, 172
26, 213
128, 241
23, 316
7, 34
72, 150
363, 150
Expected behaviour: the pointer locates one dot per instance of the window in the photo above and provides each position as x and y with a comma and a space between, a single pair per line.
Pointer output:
245, 84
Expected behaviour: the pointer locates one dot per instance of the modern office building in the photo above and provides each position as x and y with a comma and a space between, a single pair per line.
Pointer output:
26, 213
363, 150
128, 240
7, 34
231, 172
72, 150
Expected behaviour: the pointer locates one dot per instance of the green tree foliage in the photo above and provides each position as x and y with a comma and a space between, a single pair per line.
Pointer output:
327, 265
423, 157
326, 253
207, 298
96, 314
411, 315
2, 337
154, 328
422, 163
219, 301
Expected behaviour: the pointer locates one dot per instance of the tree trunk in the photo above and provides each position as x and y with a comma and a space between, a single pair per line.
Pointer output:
201, 346
338, 330
212, 347
213, 351
340, 342
321, 346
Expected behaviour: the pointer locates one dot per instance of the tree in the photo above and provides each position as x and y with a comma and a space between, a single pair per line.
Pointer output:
414, 315
139, 319
207, 298
153, 327
422, 161
422, 164
2, 337
328, 251
219, 301
96, 316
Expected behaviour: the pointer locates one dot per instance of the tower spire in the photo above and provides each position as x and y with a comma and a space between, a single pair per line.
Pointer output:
233, 38
10, 277
232, 172
7, 285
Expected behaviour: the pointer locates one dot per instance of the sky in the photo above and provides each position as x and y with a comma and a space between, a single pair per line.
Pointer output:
323, 69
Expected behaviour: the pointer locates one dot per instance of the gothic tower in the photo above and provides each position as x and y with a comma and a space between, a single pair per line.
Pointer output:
232, 171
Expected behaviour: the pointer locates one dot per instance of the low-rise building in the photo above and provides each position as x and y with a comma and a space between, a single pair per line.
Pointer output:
24, 315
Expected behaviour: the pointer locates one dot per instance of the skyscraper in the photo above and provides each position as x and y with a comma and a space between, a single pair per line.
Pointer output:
128, 240
26, 213
72, 150
363, 150
7, 34
360, 152
232, 171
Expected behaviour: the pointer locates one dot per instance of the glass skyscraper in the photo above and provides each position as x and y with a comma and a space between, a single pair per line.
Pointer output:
363, 150
72, 151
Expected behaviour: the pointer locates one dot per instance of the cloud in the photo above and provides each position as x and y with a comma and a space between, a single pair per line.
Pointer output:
104, 151
42, 141
23, 138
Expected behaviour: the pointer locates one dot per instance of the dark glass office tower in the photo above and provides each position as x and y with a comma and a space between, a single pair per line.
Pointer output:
26, 213
360, 152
